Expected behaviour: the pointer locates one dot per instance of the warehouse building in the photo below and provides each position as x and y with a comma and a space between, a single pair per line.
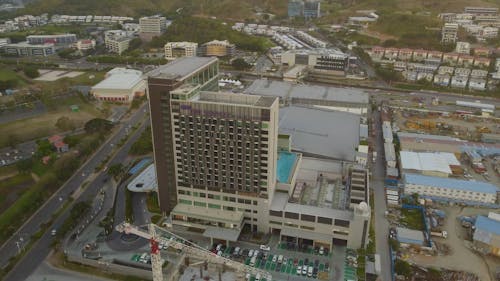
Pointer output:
336, 98
390, 155
387, 132
120, 85
451, 190
320, 62
410, 236
439, 164
486, 237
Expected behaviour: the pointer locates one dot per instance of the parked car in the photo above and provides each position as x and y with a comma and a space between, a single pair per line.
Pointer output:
321, 250
265, 248
250, 254
304, 270
275, 258
280, 259
299, 270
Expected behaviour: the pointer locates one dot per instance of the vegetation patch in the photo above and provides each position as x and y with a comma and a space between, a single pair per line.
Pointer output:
412, 218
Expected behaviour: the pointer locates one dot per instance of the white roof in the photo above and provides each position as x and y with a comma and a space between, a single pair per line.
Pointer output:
145, 181
120, 79
428, 161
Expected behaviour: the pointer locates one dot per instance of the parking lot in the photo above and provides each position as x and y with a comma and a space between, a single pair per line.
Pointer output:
287, 264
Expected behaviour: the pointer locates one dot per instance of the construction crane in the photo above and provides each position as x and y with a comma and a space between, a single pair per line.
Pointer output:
156, 234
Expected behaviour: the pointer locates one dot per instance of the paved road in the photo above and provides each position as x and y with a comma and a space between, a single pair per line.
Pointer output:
377, 183
41, 248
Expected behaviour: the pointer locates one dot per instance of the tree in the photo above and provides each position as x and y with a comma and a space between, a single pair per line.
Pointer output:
25, 165
240, 64
116, 170
64, 123
31, 71
135, 43
401, 267
44, 148
98, 125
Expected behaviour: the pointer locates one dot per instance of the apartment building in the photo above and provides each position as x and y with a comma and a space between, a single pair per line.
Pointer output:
152, 26
449, 33
180, 49
217, 48
117, 41
221, 167
463, 48
306, 8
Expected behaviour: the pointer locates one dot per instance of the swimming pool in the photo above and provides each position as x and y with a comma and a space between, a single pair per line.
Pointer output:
286, 161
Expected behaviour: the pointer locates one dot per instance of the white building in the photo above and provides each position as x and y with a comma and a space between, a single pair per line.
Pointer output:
449, 33
463, 48
477, 84
387, 131
180, 49
120, 85
390, 154
151, 27
84, 44
428, 163
438, 188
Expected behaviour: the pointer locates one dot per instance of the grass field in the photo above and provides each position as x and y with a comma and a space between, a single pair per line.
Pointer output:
412, 218
44, 125
11, 188
7, 74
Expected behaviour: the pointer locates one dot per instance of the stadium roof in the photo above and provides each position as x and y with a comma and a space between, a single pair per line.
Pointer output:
428, 161
289, 90
120, 80
476, 186
319, 132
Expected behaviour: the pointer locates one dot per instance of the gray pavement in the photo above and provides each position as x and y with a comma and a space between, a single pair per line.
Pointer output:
23, 113
377, 184
46, 272
41, 248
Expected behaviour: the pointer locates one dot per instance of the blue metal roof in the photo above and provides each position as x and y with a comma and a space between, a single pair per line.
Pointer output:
476, 186
488, 225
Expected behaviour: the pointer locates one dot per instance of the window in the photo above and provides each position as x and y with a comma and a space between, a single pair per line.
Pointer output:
307, 227
342, 223
290, 215
308, 218
276, 213
275, 222
229, 208
214, 206
200, 204
186, 202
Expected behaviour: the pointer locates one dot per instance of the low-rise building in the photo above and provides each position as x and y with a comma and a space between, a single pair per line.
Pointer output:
461, 71
479, 73
218, 48
482, 51
84, 44
120, 85
391, 53
442, 79
400, 65
436, 55
452, 190
449, 33
377, 52
390, 155
180, 49
405, 54
439, 164
410, 236
446, 70
477, 84
419, 55
465, 60
23, 49
489, 32
450, 58
463, 48
482, 62
59, 40
458, 81
486, 236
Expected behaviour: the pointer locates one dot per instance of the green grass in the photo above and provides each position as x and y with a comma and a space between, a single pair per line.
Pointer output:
412, 219
16, 184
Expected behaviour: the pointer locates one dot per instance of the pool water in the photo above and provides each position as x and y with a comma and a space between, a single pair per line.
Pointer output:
286, 161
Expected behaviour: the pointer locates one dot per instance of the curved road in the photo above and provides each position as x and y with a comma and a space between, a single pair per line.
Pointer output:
42, 247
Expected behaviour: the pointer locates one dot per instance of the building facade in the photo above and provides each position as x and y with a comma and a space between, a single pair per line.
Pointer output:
449, 33
180, 49
23, 49
151, 27
57, 40
117, 41
217, 48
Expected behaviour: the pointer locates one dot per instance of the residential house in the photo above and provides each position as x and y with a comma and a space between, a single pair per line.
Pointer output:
482, 51
478, 73
378, 52
424, 68
419, 55
405, 54
466, 60
391, 53
446, 70
400, 65
435, 55
424, 75
410, 75
450, 58
449, 33
482, 62
460, 71
58, 143
497, 64
442, 79
459, 81
477, 84
489, 32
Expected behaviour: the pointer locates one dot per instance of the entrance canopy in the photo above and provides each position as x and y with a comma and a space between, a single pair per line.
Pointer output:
228, 234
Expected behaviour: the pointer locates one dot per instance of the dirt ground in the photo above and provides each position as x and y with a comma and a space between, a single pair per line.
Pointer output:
461, 257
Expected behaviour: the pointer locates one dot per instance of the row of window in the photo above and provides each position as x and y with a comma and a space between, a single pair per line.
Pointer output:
310, 218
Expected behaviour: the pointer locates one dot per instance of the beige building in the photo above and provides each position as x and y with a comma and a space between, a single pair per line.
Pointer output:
180, 49
218, 48
449, 33
151, 26
120, 85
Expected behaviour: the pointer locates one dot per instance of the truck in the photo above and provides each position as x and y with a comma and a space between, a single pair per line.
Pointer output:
442, 234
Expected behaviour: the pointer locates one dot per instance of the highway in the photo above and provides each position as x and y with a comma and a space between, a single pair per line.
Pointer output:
42, 247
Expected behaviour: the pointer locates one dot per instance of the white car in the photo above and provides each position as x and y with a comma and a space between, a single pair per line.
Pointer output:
265, 248
275, 258
219, 253
248, 276
280, 258
257, 277
250, 254
304, 270
217, 248
321, 250
256, 253
299, 270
